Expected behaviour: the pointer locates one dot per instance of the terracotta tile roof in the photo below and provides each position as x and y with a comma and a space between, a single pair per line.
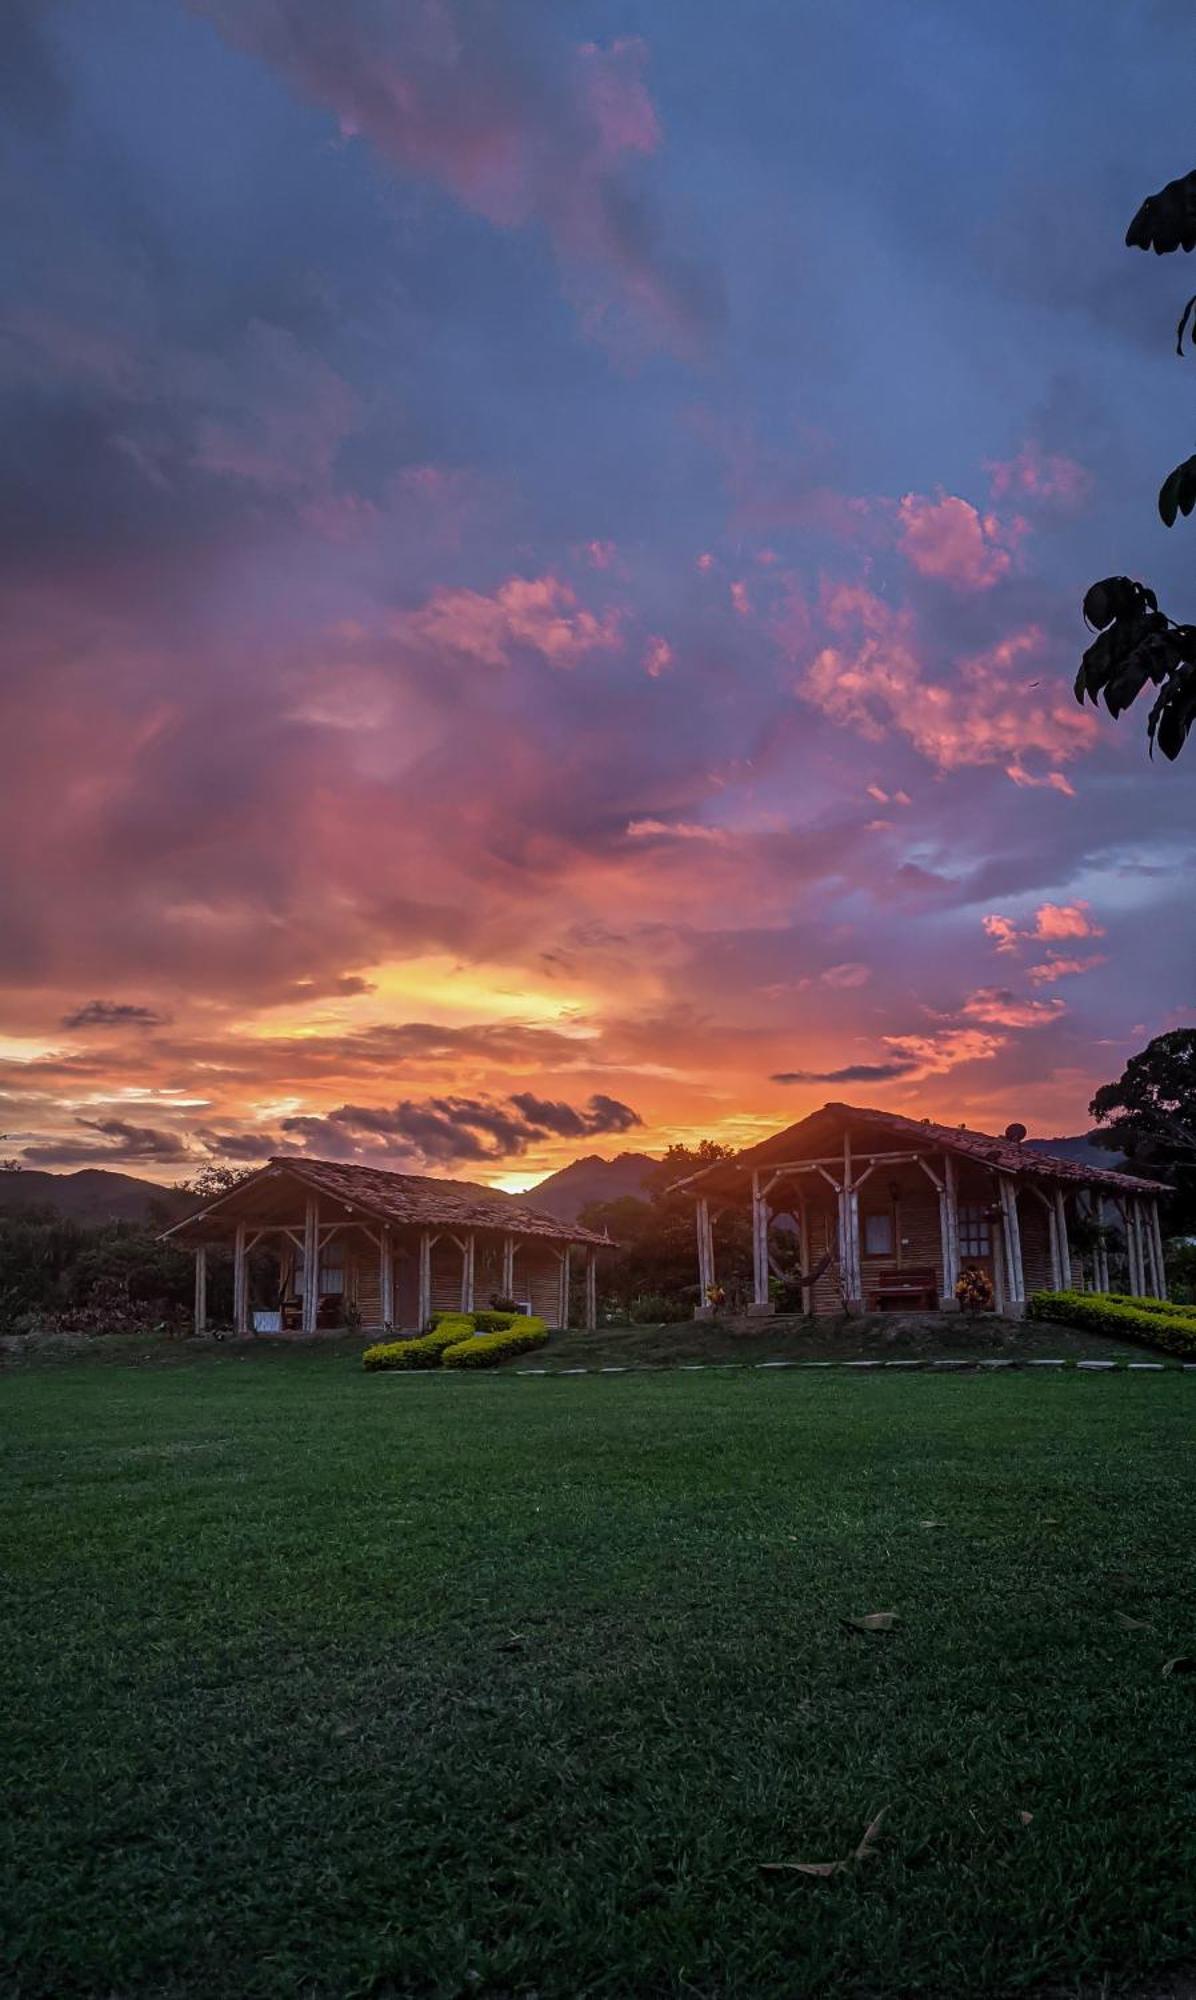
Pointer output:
795, 1143
417, 1199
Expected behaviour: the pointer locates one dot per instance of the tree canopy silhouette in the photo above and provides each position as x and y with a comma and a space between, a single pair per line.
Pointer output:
1137, 643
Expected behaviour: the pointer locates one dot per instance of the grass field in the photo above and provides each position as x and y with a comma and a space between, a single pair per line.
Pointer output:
319, 1684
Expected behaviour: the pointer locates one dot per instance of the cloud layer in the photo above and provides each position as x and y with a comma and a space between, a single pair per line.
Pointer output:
504, 645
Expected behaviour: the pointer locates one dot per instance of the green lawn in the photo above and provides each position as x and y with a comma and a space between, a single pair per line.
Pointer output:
319, 1684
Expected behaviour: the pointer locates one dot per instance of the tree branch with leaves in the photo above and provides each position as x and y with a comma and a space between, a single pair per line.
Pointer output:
1139, 645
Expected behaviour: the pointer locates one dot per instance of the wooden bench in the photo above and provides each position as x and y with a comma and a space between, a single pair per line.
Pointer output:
913, 1289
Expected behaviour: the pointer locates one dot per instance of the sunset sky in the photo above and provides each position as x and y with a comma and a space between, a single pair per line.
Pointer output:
541, 560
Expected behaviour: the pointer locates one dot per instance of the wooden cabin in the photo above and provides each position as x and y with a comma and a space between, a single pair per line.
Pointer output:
889, 1210
311, 1238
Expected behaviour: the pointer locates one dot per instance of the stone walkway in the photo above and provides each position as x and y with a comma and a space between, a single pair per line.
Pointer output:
926, 1367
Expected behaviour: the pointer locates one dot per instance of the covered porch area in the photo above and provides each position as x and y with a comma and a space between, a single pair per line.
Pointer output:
888, 1212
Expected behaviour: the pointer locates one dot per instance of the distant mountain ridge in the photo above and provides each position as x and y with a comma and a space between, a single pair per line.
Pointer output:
1082, 1151
565, 1193
92, 1196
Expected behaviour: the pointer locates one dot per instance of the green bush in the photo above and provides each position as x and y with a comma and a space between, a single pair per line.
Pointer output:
1100, 1312
495, 1322
423, 1352
485, 1349
1169, 1308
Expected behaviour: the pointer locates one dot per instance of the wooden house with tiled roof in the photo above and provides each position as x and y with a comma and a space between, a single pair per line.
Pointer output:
889, 1210
393, 1247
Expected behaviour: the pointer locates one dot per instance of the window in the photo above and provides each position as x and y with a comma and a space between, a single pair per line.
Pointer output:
878, 1234
332, 1269
975, 1230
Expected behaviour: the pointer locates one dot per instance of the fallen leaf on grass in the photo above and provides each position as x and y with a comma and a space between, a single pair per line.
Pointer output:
1183, 1663
512, 1645
1025, 1818
932, 1524
1128, 1624
823, 1869
873, 1621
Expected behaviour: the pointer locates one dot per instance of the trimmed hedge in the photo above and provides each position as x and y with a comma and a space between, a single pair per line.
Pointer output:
1168, 1308
1173, 1331
484, 1350
474, 1340
425, 1351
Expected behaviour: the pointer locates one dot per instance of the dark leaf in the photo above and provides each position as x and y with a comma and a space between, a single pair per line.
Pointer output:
1178, 492
1166, 220
1182, 327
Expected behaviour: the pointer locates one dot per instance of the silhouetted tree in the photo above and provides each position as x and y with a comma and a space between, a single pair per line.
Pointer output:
1139, 644
1149, 1115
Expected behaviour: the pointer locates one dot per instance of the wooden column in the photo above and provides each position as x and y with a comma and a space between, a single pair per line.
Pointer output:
1100, 1254
425, 1279
1156, 1237
761, 1302
240, 1281
1011, 1231
949, 1233
201, 1290
508, 1267
705, 1252
311, 1265
563, 1311
849, 1236
1145, 1250
386, 1276
591, 1289
467, 1263
805, 1251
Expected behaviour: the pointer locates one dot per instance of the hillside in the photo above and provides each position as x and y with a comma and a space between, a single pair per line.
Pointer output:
93, 1195
1082, 1151
566, 1193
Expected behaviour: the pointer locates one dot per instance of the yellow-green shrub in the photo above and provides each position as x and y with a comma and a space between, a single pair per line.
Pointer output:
423, 1352
1167, 1307
486, 1349
1174, 1332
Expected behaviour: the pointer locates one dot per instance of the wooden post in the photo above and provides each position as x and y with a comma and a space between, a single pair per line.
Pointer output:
386, 1276
1156, 1237
563, 1316
705, 1254
1147, 1251
201, 1289
1061, 1239
1058, 1245
311, 1265
425, 1279
591, 1289
1100, 1258
1015, 1279
508, 1267
467, 1261
761, 1302
805, 1250
949, 1233
240, 1281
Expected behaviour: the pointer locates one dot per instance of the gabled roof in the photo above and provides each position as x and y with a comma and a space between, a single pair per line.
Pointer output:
800, 1140
417, 1200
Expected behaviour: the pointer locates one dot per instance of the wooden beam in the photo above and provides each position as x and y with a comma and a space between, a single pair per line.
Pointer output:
1156, 1237
240, 1281
1015, 1276
201, 1290
311, 1265
564, 1299
386, 1277
425, 1278
591, 1289
467, 1267
508, 1267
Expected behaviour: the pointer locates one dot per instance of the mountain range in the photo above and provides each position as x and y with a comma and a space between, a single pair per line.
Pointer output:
94, 1195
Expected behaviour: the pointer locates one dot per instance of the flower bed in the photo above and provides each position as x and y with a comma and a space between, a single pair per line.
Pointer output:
460, 1340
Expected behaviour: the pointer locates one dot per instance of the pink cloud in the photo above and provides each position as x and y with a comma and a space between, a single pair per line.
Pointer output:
1054, 781
658, 657
521, 137
1001, 1008
872, 678
947, 539
538, 614
1003, 931
741, 603
844, 976
1054, 968
1065, 920
1034, 474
